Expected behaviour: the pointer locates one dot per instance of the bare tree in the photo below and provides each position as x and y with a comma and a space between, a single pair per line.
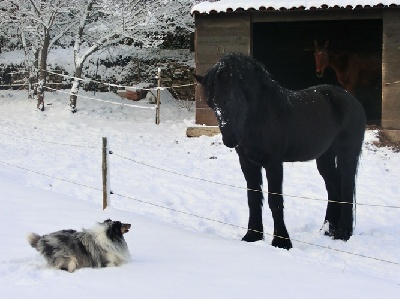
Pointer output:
105, 23
40, 23
94, 25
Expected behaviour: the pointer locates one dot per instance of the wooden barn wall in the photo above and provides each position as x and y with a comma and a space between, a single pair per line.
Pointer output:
391, 72
216, 35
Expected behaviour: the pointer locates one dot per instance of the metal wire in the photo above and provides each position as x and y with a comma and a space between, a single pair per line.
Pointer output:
249, 189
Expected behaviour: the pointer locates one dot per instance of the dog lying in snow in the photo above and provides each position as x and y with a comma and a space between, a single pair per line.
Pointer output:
101, 246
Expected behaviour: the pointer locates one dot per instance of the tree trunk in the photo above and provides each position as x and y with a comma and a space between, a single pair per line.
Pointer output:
40, 95
35, 75
43, 70
75, 88
43, 57
73, 96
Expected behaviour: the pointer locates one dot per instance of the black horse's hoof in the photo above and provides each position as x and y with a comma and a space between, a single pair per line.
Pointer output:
283, 243
253, 236
342, 234
329, 229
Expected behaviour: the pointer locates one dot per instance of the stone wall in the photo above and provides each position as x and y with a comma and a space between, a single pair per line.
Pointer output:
173, 73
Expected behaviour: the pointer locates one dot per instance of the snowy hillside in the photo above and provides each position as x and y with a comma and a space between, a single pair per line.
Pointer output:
186, 221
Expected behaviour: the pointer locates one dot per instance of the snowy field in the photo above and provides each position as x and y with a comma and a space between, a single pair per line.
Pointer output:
185, 236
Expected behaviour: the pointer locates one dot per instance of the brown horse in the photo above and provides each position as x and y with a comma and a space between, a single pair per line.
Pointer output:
352, 70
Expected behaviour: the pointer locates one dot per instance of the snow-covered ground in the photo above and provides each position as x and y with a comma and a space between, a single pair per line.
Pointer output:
185, 236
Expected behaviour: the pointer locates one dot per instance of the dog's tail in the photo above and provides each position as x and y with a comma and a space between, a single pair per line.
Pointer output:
33, 239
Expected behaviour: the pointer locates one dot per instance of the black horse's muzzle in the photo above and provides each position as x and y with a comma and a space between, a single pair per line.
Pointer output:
228, 137
229, 143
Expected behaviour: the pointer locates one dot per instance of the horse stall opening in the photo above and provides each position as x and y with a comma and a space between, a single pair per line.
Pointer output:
287, 50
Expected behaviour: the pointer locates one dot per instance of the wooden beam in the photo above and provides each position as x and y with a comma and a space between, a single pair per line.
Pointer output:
202, 131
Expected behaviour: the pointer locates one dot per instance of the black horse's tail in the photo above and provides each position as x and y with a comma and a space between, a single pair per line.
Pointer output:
354, 192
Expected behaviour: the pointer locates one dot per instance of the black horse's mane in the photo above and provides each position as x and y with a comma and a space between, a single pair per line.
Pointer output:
240, 71
242, 66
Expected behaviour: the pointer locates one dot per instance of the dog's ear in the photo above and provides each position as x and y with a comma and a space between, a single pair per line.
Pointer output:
198, 78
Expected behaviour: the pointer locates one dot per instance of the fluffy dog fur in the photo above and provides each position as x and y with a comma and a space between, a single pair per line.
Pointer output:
102, 246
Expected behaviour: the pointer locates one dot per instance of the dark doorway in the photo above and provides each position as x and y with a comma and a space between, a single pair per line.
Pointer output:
287, 50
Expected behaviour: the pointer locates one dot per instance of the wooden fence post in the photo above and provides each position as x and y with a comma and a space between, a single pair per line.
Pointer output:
106, 174
158, 97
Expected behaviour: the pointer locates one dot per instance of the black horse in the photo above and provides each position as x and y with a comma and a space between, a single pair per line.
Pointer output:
268, 124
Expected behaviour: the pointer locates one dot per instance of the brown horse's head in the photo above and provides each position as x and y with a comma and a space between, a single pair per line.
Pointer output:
321, 58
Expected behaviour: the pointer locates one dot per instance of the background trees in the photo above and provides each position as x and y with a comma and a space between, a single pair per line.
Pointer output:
105, 23
37, 26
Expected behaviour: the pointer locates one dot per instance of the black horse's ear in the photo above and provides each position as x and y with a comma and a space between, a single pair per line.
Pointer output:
326, 44
198, 78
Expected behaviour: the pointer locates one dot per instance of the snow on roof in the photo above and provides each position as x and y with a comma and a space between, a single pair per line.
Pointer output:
262, 5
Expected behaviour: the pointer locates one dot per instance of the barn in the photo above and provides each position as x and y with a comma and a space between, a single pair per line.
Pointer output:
283, 34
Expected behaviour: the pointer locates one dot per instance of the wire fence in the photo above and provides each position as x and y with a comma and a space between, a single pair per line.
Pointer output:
118, 85
197, 178
141, 201
256, 190
100, 100
154, 89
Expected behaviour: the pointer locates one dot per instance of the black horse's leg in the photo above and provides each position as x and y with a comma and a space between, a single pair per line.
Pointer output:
253, 175
275, 201
347, 165
326, 165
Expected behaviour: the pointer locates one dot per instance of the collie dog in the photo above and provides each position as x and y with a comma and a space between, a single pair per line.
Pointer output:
101, 246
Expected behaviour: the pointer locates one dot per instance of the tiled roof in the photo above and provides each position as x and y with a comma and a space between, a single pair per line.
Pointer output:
226, 6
